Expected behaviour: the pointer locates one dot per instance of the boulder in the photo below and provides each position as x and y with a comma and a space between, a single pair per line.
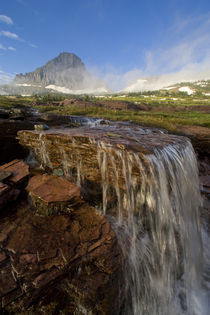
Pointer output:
52, 194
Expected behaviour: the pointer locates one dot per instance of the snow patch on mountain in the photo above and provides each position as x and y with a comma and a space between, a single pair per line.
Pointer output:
186, 89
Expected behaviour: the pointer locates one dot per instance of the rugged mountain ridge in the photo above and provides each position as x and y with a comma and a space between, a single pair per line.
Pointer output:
66, 73
64, 70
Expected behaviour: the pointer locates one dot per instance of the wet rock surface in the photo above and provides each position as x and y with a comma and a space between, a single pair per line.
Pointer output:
86, 154
69, 261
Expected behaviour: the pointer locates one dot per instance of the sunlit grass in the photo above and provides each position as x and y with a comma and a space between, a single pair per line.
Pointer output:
169, 120
165, 120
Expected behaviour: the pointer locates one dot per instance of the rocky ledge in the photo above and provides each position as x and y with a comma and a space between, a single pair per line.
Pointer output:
68, 261
98, 158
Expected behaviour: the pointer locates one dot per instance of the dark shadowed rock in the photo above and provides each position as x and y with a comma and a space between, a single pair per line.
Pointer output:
4, 175
7, 194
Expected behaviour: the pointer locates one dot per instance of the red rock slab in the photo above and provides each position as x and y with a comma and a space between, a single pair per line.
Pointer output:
52, 188
18, 168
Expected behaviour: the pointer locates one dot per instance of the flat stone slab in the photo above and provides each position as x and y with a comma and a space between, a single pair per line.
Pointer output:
52, 194
18, 168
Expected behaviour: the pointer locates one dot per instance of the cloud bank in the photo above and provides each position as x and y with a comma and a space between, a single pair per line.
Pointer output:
185, 59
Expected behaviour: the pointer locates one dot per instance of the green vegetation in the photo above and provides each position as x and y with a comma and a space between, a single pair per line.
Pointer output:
165, 120
165, 112
175, 99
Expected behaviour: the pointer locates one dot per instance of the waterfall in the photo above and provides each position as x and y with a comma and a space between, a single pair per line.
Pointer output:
150, 194
158, 229
45, 159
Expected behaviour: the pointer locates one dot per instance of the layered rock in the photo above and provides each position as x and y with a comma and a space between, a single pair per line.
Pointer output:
62, 262
98, 158
18, 170
12, 176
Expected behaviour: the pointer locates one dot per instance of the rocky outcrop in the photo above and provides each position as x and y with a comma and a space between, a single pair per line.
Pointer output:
58, 263
64, 73
97, 158
65, 69
57, 253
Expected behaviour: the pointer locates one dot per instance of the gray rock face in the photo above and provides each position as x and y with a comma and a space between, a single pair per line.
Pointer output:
65, 70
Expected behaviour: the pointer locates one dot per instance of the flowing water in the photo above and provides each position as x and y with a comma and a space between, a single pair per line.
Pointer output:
158, 230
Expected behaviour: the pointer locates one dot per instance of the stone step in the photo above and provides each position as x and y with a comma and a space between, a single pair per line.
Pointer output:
53, 194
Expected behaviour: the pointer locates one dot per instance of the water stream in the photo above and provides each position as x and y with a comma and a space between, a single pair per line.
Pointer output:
158, 229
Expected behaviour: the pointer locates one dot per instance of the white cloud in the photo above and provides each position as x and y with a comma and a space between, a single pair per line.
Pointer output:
6, 19
184, 55
2, 47
11, 48
10, 35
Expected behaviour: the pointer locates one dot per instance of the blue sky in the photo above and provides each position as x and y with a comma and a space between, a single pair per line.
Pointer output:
116, 39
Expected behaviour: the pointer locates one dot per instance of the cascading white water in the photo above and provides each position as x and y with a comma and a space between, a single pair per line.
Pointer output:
160, 232
45, 159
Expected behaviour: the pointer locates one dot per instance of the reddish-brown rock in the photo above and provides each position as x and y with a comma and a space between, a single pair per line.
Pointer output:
52, 194
18, 168
59, 260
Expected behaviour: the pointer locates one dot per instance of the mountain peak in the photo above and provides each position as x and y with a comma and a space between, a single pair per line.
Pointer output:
65, 69
66, 59
66, 73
